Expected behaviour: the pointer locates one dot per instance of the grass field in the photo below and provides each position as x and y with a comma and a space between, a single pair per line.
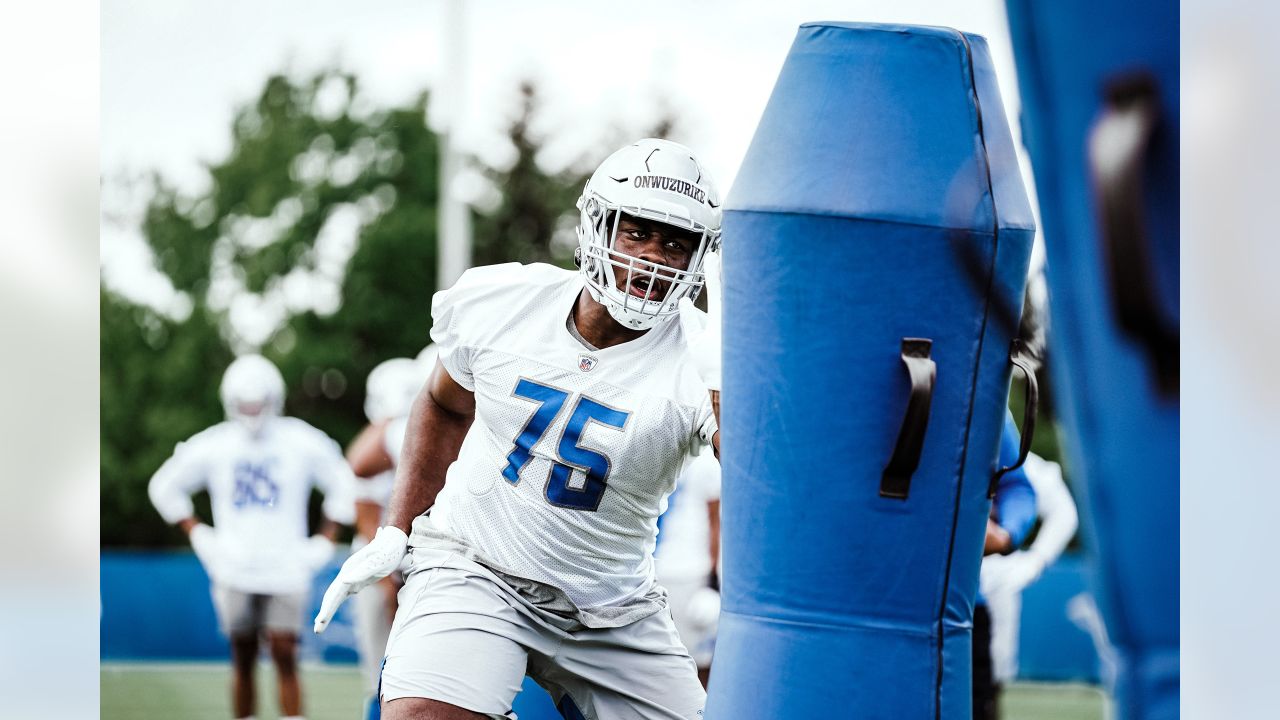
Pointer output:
199, 692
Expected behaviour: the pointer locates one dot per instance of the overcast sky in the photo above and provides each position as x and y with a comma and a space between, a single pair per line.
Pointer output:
173, 73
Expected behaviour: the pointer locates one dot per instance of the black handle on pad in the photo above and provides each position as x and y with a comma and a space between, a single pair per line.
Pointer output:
895, 482
1119, 145
1019, 356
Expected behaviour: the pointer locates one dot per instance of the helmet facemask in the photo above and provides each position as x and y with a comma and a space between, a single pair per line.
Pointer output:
598, 258
650, 180
252, 392
253, 414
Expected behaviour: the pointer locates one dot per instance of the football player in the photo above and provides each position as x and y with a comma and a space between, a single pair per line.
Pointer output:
1004, 577
259, 468
687, 558
561, 410
1013, 512
390, 391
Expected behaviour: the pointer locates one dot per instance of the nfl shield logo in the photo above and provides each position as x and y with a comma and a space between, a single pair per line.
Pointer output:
586, 362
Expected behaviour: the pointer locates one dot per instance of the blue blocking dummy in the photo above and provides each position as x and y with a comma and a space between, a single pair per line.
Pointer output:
1099, 86
876, 244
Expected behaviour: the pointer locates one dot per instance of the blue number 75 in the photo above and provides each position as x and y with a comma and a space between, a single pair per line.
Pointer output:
572, 456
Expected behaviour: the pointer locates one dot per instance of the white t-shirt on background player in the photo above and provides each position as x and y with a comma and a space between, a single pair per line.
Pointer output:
259, 488
684, 539
683, 557
1004, 577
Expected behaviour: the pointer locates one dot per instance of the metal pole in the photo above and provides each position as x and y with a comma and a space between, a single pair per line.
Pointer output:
454, 218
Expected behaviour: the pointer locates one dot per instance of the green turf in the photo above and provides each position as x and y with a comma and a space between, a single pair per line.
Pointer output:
1051, 701
200, 692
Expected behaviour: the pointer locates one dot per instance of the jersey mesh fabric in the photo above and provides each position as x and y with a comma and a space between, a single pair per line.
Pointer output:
502, 328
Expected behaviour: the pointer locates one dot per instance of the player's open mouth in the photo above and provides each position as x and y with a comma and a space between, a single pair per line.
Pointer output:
644, 287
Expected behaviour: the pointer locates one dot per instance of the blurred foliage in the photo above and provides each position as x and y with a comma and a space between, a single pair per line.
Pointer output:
536, 217
534, 204
155, 392
304, 153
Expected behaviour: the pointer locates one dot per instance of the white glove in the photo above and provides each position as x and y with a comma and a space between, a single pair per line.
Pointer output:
373, 562
204, 541
702, 330
317, 552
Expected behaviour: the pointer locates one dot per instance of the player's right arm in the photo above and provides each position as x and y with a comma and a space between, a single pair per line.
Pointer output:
437, 424
439, 421
171, 488
181, 476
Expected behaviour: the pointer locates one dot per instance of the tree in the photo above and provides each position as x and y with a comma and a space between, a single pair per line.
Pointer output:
535, 219
321, 216
155, 392
320, 224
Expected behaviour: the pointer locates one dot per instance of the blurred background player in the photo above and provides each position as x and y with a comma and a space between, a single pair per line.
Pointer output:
389, 394
1003, 577
1013, 512
259, 469
687, 558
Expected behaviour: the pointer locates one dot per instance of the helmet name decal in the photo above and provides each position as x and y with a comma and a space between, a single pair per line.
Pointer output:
662, 182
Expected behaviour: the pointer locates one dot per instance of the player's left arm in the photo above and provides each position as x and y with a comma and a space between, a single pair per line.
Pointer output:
715, 408
713, 525
702, 333
1015, 501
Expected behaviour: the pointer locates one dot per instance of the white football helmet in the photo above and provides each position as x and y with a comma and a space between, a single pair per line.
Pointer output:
391, 389
252, 390
657, 180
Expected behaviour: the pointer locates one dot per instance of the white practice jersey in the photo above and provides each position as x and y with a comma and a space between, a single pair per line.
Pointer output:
573, 451
1057, 510
684, 530
259, 488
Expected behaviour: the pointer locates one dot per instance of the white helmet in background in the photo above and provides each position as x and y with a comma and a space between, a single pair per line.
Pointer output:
427, 359
252, 390
391, 389
657, 180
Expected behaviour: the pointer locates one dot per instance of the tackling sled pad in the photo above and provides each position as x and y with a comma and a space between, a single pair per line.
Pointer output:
876, 245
